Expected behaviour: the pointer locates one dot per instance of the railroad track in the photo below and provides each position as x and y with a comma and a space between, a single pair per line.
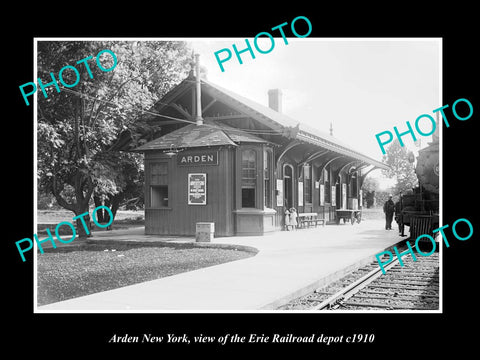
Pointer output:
415, 286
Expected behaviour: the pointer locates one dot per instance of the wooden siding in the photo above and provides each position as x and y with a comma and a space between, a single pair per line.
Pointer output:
224, 195
179, 218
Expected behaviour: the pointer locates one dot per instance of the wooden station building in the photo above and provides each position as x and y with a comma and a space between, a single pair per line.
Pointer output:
239, 164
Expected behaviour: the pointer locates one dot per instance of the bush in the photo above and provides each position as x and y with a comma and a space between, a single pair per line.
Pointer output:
46, 202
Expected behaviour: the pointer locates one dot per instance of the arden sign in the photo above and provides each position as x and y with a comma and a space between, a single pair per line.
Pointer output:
197, 189
198, 158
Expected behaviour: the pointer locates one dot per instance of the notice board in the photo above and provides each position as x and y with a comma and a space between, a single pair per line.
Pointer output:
197, 189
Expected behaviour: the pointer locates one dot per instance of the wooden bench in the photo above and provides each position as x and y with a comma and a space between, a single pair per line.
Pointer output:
309, 219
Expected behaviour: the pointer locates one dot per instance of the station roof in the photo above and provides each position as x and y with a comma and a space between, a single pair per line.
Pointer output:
213, 133
303, 132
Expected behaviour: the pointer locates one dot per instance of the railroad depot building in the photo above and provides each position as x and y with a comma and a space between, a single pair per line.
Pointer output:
240, 165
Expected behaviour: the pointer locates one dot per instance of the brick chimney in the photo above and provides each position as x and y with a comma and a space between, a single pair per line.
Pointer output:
275, 99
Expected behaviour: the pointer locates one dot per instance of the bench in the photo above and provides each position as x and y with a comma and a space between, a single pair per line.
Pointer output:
309, 219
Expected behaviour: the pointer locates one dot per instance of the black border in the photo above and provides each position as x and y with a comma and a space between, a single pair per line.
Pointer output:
408, 334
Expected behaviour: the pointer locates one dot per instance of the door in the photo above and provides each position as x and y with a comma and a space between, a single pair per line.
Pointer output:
288, 185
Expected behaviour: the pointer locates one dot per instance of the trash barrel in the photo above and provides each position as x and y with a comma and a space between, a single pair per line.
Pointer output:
204, 231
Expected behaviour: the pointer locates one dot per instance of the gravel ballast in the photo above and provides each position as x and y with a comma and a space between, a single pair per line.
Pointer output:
71, 272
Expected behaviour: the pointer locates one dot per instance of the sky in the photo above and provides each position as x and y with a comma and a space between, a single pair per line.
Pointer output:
361, 86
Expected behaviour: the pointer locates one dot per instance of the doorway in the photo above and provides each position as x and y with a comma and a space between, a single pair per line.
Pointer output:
288, 185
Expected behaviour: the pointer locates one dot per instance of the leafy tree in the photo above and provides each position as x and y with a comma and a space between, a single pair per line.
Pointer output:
369, 188
401, 167
79, 127
129, 178
381, 196
370, 184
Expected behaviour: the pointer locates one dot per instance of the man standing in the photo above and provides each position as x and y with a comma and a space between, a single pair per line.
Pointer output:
389, 209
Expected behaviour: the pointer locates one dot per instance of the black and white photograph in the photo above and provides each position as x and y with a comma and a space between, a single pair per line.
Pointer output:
188, 185
253, 184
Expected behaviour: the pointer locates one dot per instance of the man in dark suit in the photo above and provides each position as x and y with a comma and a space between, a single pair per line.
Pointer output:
389, 209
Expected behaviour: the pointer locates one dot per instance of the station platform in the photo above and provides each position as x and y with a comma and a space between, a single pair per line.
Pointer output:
288, 264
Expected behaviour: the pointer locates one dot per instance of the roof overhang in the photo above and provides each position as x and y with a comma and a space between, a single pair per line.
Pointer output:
284, 125
325, 144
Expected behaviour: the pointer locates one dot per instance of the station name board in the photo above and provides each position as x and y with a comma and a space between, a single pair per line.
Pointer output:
198, 158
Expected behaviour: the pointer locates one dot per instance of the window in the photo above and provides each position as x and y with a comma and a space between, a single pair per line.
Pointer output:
326, 182
267, 168
288, 185
249, 178
354, 187
300, 187
307, 174
159, 185
159, 196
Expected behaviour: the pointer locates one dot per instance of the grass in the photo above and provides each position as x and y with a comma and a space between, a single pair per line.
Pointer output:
50, 218
75, 271
57, 216
78, 270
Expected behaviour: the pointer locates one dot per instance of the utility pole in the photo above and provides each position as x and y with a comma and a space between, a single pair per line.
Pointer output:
198, 89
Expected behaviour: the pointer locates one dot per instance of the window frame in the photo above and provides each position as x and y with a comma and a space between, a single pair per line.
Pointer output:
268, 178
158, 180
251, 184
308, 184
327, 185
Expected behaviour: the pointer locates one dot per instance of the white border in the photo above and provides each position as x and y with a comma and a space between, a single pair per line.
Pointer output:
339, 39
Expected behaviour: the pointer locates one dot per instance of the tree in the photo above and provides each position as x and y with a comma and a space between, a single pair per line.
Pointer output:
129, 178
370, 186
79, 126
401, 167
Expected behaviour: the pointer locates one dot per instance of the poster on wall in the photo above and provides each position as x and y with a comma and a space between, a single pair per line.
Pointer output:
197, 189
334, 196
344, 196
300, 193
279, 192
322, 194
